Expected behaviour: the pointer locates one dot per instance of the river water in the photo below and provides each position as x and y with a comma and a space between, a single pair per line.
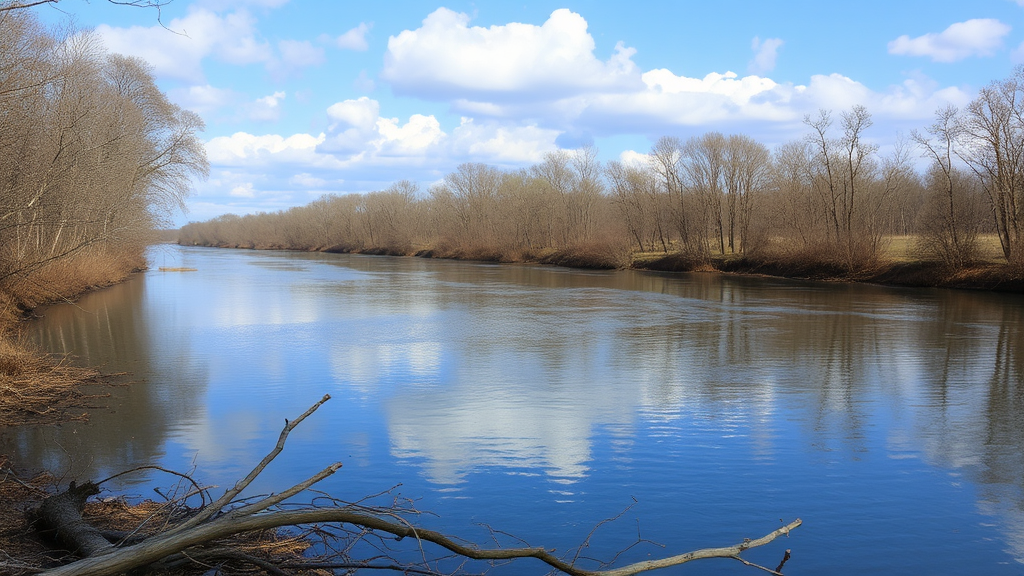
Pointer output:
541, 401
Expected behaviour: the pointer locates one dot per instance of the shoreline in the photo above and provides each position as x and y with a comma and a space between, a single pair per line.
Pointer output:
987, 277
38, 388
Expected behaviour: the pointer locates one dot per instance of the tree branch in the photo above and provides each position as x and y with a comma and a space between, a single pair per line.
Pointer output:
207, 527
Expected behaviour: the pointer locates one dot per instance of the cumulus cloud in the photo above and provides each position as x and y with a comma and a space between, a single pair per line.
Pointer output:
1017, 56
765, 54
446, 57
354, 39
634, 158
548, 76
360, 144
977, 37
501, 144
719, 100
243, 149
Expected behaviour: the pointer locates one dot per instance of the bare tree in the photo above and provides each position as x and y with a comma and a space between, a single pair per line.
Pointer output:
843, 166
993, 133
667, 161
747, 178
94, 155
951, 228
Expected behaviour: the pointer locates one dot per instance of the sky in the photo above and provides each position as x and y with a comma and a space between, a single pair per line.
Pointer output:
303, 98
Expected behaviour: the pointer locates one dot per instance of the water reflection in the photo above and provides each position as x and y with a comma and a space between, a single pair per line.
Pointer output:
756, 396
117, 330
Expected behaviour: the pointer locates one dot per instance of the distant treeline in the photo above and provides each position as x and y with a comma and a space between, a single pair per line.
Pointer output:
828, 199
92, 157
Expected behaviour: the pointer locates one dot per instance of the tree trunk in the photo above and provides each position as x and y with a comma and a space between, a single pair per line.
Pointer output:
61, 516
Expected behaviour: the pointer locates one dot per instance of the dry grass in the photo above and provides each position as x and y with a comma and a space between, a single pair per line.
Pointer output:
40, 389
65, 279
907, 249
24, 551
36, 388
17, 497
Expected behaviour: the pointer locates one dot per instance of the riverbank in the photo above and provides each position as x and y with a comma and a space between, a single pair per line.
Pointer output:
903, 272
993, 277
35, 387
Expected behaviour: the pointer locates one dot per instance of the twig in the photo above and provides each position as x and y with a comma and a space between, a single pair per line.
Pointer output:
179, 543
228, 496
199, 489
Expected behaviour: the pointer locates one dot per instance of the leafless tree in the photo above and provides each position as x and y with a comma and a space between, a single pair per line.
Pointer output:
950, 229
993, 135
843, 167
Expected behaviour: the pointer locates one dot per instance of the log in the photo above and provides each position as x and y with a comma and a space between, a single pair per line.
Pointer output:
61, 516
220, 520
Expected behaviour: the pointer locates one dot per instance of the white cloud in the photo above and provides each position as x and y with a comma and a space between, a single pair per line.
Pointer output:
502, 144
765, 54
361, 114
447, 58
243, 191
354, 39
413, 138
203, 99
178, 51
353, 125
548, 77
719, 100
977, 37
360, 146
634, 158
242, 149
267, 108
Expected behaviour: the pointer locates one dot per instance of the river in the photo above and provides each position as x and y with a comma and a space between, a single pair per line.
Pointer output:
541, 400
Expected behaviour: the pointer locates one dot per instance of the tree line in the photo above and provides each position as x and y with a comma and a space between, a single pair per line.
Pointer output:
829, 198
93, 156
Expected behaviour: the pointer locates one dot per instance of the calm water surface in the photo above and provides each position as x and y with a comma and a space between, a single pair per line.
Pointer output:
543, 400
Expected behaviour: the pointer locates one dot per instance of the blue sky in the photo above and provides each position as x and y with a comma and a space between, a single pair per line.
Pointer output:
304, 97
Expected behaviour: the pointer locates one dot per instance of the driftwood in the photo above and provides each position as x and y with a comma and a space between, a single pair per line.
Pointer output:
222, 519
61, 515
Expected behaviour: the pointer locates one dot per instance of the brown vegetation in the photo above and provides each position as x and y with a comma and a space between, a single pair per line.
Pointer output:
93, 157
824, 207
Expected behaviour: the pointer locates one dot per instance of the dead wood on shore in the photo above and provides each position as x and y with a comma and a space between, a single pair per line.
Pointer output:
268, 535
37, 388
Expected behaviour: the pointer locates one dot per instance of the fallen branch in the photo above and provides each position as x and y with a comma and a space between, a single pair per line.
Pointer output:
61, 514
218, 521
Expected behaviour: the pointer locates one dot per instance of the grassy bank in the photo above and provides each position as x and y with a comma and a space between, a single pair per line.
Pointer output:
38, 388
898, 264
981, 276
